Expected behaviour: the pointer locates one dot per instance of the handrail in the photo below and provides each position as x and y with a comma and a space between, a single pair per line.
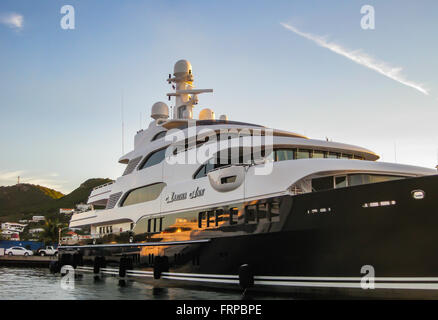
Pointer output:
103, 185
138, 244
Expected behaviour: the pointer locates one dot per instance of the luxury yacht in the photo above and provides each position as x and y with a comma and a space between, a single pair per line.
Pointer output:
232, 204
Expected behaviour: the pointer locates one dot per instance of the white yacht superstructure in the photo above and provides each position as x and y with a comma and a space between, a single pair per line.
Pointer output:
299, 160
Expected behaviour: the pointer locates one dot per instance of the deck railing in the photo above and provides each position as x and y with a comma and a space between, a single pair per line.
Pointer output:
103, 185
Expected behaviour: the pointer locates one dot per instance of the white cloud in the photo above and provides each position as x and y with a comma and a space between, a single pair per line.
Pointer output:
8, 178
361, 58
12, 20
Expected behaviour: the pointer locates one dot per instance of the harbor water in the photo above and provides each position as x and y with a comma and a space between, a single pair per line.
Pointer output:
40, 284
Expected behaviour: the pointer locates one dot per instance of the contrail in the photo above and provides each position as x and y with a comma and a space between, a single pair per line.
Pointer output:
361, 58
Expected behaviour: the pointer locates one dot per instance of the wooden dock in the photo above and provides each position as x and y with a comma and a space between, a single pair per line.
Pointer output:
31, 261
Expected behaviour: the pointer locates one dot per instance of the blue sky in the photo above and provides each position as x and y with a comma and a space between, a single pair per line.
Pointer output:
60, 90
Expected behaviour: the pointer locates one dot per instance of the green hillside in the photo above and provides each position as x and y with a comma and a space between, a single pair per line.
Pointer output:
80, 194
24, 200
50, 192
25, 195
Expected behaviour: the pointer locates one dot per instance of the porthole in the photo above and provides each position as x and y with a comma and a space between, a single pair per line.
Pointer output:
418, 194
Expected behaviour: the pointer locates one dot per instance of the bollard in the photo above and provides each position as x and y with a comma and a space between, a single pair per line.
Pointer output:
75, 260
125, 264
54, 267
99, 262
161, 264
65, 259
246, 276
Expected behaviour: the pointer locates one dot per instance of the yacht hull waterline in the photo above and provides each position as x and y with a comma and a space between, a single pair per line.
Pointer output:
320, 252
230, 204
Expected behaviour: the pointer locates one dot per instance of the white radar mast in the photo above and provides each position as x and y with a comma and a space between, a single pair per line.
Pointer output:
185, 96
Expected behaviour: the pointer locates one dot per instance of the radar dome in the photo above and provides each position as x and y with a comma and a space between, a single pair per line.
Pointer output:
206, 114
160, 110
223, 117
182, 67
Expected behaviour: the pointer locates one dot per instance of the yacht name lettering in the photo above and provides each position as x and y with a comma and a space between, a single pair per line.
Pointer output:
183, 196
197, 193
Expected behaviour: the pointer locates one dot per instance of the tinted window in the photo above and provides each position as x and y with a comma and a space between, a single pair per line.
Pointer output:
346, 156
320, 184
201, 172
318, 154
154, 158
159, 135
333, 155
143, 194
341, 181
206, 168
357, 179
303, 154
284, 154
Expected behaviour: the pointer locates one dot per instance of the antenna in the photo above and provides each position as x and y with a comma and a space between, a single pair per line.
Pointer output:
123, 126
18, 180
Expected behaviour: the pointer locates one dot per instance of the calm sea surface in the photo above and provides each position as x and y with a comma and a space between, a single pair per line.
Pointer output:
39, 283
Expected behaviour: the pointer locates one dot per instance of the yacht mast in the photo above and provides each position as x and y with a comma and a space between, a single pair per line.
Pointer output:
185, 96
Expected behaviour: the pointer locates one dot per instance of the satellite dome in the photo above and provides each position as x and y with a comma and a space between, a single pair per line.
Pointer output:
206, 114
160, 110
182, 67
223, 117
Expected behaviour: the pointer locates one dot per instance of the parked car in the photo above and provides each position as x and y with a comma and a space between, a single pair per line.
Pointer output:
47, 251
18, 251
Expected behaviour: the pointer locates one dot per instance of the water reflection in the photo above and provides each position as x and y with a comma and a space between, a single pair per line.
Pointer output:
36, 284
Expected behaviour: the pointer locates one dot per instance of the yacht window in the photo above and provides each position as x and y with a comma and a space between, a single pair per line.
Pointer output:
204, 170
340, 181
234, 212
220, 162
218, 217
358, 157
318, 154
250, 214
303, 154
154, 158
357, 179
333, 155
155, 225
284, 154
274, 210
262, 211
320, 184
159, 135
201, 172
143, 194
346, 156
